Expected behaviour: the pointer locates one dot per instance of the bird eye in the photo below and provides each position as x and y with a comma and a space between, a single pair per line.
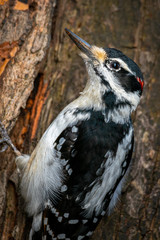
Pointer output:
113, 65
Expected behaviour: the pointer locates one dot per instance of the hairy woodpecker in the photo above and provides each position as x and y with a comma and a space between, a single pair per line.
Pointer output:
76, 172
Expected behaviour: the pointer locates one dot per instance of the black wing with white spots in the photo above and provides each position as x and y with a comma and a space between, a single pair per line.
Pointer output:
82, 150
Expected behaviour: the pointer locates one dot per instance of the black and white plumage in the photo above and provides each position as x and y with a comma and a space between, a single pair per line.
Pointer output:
75, 174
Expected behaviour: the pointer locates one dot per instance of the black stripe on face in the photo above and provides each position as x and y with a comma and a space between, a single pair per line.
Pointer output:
128, 81
102, 79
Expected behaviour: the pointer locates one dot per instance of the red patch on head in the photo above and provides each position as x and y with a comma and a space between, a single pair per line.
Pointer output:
141, 82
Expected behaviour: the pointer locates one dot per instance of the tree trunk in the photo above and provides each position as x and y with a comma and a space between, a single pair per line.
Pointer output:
41, 73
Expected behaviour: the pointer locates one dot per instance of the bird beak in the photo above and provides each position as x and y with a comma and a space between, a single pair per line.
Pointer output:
81, 44
93, 52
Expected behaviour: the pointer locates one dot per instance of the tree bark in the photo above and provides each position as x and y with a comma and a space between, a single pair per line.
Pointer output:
40, 73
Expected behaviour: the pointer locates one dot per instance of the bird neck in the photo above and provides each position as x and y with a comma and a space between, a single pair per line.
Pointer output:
118, 111
98, 98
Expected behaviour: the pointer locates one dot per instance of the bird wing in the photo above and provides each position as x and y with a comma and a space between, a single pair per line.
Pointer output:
82, 151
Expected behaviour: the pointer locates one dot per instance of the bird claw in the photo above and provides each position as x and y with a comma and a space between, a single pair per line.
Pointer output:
4, 146
5, 141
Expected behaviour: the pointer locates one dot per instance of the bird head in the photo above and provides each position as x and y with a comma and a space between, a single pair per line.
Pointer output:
116, 72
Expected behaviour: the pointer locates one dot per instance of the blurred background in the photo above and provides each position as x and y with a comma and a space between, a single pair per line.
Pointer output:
41, 72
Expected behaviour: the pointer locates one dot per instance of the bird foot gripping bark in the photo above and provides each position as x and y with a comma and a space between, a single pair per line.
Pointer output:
5, 141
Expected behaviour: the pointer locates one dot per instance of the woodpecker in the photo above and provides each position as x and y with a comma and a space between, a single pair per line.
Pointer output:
76, 172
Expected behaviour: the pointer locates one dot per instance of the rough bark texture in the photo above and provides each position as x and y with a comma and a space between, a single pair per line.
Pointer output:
41, 73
